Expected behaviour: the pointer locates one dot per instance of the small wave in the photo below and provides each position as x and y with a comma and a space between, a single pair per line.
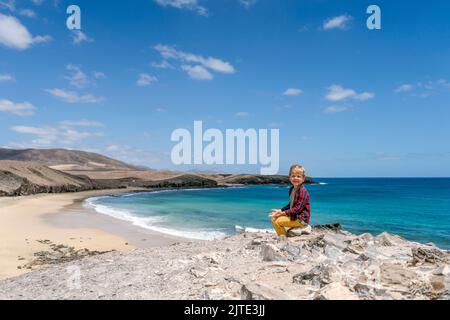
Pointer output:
148, 222
131, 194
240, 229
323, 183
123, 214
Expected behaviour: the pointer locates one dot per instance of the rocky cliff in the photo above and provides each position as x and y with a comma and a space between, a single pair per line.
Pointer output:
24, 178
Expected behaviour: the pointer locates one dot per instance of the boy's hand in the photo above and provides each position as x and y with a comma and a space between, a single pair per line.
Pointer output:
276, 213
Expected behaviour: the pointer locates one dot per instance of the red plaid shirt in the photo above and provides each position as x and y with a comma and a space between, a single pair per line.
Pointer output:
301, 209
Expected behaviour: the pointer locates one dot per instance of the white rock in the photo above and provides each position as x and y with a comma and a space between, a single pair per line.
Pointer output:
270, 252
293, 232
336, 291
442, 271
255, 291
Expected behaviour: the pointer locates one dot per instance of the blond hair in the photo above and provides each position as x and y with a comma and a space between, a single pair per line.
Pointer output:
297, 167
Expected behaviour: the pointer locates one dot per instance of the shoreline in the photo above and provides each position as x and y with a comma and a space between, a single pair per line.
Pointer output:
26, 222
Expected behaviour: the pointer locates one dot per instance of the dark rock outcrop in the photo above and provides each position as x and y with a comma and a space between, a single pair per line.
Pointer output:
255, 179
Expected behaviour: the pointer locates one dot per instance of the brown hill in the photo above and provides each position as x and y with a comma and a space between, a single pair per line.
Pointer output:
62, 159
22, 178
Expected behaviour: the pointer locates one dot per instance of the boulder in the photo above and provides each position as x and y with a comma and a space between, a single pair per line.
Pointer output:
367, 291
422, 255
256, 291
335, 291
270, 252
388, 240
395, 274
328, 227
318, 276
442, 271
295, 232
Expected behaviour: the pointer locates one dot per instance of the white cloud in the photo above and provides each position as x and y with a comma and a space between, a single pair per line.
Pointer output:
202, 66
214, 64
15, 35
338, 93
340, 22
304, 28
74, 97
112, 147
78, 37
77, 78
404, 88
19, 109
27, 13
146, 80
197, 72
283, 107
423, 89
162, 65
81, 123
8, 4
184, 4
136, 156
444, 83
161, 110
6, 77
52, 136
336, 109
38, 2
41, 39
99, 75
242, 114
364, 96
247, 3
292, 92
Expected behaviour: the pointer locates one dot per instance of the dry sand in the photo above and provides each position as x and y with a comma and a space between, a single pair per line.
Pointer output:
62, 219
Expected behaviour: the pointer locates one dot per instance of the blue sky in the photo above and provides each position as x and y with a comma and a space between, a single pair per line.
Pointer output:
349, 102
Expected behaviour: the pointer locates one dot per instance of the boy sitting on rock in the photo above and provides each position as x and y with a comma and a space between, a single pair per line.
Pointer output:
296, 213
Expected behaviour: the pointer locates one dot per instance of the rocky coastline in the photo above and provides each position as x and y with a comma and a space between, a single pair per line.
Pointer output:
19, 178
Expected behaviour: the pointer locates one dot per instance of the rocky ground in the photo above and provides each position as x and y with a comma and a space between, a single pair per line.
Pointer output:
327, 264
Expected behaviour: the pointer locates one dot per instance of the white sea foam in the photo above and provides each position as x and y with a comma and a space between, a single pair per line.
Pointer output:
149, 222
131, 194
240, 229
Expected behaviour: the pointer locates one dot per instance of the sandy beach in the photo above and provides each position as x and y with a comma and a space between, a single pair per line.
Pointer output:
61, 219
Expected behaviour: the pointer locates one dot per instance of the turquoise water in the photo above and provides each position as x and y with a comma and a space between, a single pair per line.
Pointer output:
415, 208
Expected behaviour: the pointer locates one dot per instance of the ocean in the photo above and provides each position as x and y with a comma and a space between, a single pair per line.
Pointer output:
417, 209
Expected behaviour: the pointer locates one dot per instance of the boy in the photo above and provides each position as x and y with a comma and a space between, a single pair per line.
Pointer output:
297, 212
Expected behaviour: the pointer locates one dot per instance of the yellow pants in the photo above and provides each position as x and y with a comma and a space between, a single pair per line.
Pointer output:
281, 222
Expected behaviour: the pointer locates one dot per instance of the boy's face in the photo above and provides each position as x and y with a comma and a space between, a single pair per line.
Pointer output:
296, 178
